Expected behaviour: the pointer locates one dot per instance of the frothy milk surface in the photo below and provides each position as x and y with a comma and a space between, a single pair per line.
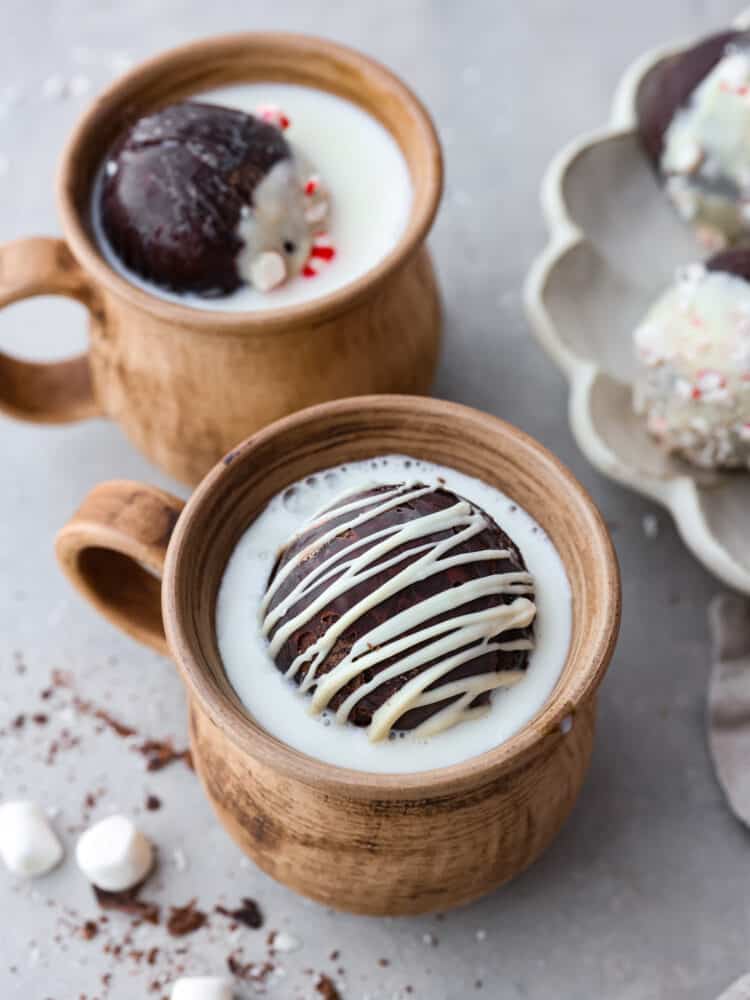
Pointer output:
276, 703
360, 164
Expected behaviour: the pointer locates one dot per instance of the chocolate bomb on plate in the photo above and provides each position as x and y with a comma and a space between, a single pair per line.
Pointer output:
693, 353
400, 607
202, 198
693, 111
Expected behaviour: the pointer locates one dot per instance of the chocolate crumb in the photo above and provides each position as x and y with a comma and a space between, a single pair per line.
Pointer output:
326, 988
89, 930
153, 802
248, 914
334, 956
160, 753
249, 971
185, 919
383, 963
40, 719
128, 902
87, 708
19, 722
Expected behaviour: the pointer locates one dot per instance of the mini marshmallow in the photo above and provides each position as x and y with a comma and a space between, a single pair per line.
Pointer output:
202, 988
114, 855
284, 941
267, 271
28, 844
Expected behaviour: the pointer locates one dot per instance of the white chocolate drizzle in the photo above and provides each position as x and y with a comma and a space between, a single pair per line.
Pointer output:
440, 647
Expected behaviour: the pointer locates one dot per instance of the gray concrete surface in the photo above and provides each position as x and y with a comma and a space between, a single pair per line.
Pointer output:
645, 894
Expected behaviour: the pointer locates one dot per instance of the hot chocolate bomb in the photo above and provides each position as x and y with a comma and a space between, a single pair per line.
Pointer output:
201, 198
400, 607
693, 113
693, 352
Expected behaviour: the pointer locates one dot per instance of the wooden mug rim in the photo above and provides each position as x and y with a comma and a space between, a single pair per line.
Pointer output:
117, 103
541, 734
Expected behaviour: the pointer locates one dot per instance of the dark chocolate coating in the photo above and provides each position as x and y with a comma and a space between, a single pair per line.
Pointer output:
733, 261
492, 537
172, 206
671, 82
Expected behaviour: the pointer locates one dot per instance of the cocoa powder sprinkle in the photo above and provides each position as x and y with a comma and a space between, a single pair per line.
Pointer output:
248, 914
185, 919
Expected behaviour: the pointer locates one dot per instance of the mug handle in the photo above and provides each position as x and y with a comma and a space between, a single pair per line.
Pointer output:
44, 392
113, 550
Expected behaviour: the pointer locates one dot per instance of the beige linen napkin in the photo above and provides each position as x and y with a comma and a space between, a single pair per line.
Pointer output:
729, 702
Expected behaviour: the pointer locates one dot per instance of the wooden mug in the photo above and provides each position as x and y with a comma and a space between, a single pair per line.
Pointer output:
186, 384
368, 843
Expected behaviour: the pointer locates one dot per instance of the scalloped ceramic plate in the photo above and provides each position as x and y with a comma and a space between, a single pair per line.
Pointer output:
614, 244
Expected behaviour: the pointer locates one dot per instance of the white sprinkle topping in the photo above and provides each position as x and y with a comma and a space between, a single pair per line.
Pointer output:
79, 85
650, 525
53, 88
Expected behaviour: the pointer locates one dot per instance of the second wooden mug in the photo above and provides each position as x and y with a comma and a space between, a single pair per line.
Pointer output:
367, 842
186, 384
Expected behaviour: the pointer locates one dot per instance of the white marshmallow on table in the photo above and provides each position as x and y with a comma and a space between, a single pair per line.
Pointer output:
202, 988
114, 855
28, 844
284, 941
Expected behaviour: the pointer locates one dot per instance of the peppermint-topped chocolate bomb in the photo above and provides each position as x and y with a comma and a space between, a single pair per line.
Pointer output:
392, 615
400, 606
255, 196
201, 198
694, 122
693, 352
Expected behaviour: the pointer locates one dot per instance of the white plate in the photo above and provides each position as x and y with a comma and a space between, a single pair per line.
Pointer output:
614, 245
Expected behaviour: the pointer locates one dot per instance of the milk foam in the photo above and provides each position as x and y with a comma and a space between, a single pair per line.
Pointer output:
361, 166
276, 703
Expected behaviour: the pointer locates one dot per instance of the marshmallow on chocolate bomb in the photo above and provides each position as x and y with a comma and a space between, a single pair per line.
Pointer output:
202, 198
400, 607
693, 353
694, 122
28, 844
202, 988
114, 855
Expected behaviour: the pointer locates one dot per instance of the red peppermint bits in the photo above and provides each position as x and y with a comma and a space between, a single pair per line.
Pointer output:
273, 114
322, 251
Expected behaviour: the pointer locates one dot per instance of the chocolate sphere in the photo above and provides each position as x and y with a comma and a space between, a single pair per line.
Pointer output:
669, 85
694, 124
359, 589
734, 261
693, 351
174, 189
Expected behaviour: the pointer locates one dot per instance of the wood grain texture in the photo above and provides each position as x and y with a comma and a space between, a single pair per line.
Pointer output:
186, 384
373, 843
56, 392
113, 551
